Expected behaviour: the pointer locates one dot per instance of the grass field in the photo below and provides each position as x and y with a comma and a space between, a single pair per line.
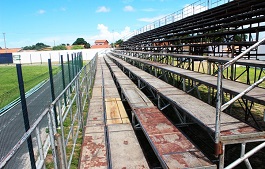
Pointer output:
32, 75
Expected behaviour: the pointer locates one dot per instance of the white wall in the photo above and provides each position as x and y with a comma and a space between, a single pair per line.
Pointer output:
55, 56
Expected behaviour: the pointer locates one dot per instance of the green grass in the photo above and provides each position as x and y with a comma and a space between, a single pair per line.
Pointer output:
32, 75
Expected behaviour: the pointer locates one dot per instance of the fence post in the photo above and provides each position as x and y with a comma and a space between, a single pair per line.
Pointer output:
63, 78
25, 114
52, 131
73, 70
52, 91
218, 146
69, 69
76, 65
60, 151
78, 100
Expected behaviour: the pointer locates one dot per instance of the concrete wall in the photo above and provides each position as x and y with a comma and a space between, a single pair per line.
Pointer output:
43, 56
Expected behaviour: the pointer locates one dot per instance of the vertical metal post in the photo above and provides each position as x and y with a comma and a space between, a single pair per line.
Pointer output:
87, 79
63, 78
62, 160
73, 69
25, 114
243, 150
63, 147
218, 148
209, 88
52, 131
40, 147
69, 71
79, 101
52, 90
75, 63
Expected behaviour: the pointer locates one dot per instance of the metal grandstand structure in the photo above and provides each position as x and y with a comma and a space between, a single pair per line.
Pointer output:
225, 36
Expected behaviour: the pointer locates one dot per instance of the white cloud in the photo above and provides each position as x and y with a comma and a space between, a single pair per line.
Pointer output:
41, 11
102, 9
111, 36
128, 8
148, 10
149, 20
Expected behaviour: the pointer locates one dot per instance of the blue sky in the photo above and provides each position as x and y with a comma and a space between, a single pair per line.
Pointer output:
63, 21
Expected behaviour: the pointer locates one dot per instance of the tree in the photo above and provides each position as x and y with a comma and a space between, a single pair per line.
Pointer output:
81, 41
87, 46
75, 47
59, 47
38, 46
119, 42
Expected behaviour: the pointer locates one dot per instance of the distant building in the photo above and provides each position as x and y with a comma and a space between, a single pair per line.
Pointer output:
101, 44
10, 50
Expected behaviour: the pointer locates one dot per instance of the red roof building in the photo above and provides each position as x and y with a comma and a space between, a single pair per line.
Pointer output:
10, 50
101, 44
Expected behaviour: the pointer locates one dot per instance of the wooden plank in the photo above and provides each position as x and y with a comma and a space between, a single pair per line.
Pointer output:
112, 99
125, 81
206, 114
95, 113
126, 120
97, 92
111, 92
112, 110
136, 98
114, 121
122, 111
125, 149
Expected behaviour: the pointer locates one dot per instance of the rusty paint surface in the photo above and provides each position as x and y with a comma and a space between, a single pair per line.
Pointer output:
154, 121
239, 130
191, 159
171, 145
93, 154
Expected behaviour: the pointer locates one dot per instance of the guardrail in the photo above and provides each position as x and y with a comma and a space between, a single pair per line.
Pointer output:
221, 107
46, 136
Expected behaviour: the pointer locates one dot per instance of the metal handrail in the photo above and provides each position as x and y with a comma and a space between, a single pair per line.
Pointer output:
219, 106
188, 10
